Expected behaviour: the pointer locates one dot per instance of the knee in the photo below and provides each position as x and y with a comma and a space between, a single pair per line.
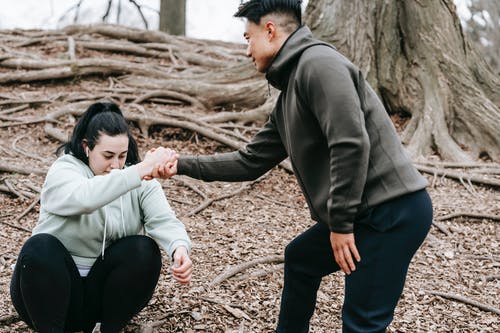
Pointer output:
293, 255
41, 249
145, 250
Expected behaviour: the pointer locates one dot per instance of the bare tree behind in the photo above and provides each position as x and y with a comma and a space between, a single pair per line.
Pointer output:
173, 17
415, 54
483, 28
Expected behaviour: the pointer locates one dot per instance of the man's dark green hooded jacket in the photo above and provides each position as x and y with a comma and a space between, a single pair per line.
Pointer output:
344, 149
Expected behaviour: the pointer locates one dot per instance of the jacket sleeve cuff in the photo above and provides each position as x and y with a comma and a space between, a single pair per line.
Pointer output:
189, 166
178, 243
342, 227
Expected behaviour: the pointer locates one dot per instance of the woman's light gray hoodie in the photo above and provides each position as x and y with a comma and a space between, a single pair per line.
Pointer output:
87, 212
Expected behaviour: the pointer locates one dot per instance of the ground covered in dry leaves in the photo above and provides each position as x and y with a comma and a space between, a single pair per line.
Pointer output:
257, 220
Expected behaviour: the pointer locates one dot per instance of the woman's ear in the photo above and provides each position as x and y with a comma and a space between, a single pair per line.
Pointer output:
85, 147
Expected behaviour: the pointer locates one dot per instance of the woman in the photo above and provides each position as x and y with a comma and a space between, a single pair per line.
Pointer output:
88, 260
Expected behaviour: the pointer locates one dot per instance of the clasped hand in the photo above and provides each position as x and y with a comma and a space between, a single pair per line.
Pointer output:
159, 163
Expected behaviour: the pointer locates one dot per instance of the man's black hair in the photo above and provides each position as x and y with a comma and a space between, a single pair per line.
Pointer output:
253, 10
100, 118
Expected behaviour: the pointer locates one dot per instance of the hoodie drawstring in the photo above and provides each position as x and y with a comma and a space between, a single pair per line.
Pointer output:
106, 226
104, 234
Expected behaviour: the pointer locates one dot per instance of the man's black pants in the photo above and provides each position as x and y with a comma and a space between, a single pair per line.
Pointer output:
387, 238
50, 296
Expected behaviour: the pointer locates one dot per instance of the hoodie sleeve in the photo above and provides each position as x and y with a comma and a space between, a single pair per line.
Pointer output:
329, 86
69, 191
160, 221
264, 152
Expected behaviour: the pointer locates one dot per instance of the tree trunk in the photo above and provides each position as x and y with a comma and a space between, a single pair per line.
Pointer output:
173, 17
415, 56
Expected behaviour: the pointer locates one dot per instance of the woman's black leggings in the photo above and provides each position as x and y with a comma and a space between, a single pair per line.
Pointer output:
50, 296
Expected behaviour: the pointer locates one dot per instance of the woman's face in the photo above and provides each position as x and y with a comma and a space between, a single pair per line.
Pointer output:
109, 153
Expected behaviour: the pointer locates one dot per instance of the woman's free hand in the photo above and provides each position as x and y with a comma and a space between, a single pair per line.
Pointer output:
182, 267
344, 248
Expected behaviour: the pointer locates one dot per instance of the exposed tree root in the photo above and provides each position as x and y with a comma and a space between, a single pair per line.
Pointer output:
458, 175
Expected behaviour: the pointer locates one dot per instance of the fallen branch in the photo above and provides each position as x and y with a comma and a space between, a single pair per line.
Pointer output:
16, 226
467, 214
260, 273
27, 210
12, 189
462, 299
241, 267
441, 228
207, 202
5, 189
6, 167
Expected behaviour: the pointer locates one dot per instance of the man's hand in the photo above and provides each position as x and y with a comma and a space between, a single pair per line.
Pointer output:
183, 267
166, 169
343, 248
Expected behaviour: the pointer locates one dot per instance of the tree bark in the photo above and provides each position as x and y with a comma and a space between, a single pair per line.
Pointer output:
415, 55
173, 17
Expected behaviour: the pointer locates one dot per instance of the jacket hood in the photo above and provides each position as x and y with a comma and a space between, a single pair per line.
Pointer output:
279, 71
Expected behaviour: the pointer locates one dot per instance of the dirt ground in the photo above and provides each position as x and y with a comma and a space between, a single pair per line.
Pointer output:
257, 222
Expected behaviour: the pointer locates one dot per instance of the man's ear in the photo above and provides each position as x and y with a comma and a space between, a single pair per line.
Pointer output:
271, 30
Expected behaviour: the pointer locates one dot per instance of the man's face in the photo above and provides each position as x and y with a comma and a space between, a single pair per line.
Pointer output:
109, 153
260, 47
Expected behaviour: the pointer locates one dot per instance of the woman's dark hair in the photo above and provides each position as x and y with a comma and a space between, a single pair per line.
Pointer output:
253, 10
100, 118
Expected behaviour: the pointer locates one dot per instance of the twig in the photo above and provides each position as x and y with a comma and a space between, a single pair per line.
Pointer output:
27, 210
15, 109
441, 228
139, 9
257, 274
5, 189
241, 267
263, 197
12, 189
190, 186
15, 226
467, 214
462, 299
209, 201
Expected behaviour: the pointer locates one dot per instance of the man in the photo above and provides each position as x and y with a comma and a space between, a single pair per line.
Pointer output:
361, 187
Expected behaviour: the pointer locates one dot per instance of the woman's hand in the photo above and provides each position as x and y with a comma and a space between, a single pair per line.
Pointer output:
343, 247
183, 267
154, 159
